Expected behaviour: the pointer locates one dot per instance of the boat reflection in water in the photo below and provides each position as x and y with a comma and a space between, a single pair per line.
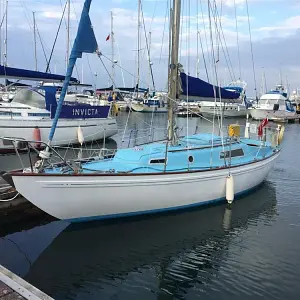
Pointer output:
159, 256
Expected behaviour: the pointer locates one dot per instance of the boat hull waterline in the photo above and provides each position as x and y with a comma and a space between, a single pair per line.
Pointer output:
229, 111
279, 115
79, 198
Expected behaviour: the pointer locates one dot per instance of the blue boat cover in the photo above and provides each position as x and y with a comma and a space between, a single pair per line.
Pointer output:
192, 86
8, 72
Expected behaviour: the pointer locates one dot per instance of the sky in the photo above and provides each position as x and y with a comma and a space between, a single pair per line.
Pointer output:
275, 34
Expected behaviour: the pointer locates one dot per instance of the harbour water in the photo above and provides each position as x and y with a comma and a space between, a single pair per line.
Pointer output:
251, 251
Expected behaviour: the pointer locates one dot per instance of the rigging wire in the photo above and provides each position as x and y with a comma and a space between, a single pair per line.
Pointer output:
123, 79
76, 17
163, 35
237, 39
147, 47
42, 44
206, 39
224, 49
251, 47
131, 74
188, 43
55, 40
214, 71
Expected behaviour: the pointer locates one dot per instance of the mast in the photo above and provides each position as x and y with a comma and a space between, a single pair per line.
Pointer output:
197, 66
112, 50
68, 31
1, 32
34, 37
175, 27
170, 46
149, 59
5, 40
138, 45
198, 33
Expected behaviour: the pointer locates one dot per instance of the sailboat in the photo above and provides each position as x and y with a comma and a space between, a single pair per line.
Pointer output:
200, 93
30, 114
178, 173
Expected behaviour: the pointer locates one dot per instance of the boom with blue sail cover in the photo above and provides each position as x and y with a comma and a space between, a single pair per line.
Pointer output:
85, 42
23, 74
196, 87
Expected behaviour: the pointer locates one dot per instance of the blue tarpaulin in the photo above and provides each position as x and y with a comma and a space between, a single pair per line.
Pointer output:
192, 86
23, 74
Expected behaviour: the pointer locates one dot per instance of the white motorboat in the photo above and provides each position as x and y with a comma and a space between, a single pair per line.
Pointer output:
274, 105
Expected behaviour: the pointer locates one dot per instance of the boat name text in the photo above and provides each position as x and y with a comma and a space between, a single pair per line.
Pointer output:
85, 111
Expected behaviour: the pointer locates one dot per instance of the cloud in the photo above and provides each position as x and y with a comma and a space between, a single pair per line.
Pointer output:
283, 28
271, 44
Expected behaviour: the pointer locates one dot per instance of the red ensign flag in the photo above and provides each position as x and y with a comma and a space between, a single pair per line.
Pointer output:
107, 38
261, 126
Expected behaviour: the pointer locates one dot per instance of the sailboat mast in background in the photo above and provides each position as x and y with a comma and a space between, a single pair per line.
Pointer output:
112, 50
68, 31
138, 45
5, 40
34, 38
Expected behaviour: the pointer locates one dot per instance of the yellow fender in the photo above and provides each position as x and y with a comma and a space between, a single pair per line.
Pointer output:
114, 109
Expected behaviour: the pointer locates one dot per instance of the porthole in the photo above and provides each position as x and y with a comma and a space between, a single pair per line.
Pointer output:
191, 159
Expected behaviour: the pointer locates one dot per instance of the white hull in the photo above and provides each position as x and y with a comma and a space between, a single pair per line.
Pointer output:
80, 198
277, 115
230, 109
137, 107
66, 131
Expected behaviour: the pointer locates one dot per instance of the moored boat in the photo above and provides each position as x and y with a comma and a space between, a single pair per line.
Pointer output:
173, 174
274, 105
30, 116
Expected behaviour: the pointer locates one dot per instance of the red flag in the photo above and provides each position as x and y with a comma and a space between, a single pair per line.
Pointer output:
108, 37
261, 126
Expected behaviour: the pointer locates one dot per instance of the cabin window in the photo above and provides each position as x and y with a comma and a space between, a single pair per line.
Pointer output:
30, 97
157, 161
7, 142
234, 153
191, 159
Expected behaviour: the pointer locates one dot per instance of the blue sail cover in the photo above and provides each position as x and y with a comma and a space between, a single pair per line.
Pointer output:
196, 87
85, 42
23, 74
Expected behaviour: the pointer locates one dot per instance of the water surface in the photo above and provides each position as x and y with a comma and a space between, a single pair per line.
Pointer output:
248, 252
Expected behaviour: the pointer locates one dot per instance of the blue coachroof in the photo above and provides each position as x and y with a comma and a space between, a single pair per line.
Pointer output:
8, 72
192, 86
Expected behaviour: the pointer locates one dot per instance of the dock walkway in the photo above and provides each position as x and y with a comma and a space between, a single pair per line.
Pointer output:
12, 287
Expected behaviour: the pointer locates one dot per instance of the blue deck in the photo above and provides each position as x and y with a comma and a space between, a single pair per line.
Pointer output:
192, 153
